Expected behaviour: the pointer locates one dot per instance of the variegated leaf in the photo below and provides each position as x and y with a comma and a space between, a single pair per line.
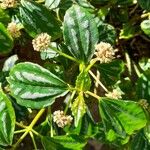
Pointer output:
37, 19
35, 87
80, 33
7, 121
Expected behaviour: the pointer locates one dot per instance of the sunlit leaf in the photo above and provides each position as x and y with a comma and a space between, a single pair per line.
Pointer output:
37, 19
80, 33
34, 86
121, 118
7, 121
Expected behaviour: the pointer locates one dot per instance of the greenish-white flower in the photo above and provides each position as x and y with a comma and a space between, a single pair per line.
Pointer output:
13, 30
144, 103
61, 119
115, 94
104, 52
41, 42
8, 4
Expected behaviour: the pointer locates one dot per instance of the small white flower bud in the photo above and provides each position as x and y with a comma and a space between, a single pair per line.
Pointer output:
41, 42
104, 52
13, 30
144, 103
115, 94
8, 4
61, 119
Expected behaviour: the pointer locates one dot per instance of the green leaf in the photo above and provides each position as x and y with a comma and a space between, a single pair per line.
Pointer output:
78, 108
9, 63
107, 33
83, 81
121, 118
143, 86
4, 17
100, 2
144, 63
85, 4
56, 69
6, 41
35, 87
52, 4
3, 76
110, 72
37, 19
140, 142
127, 87
147, 132
88, 127
7, 121
124, 2
80, 33
128, 31
145, 4
49, 53
21, 112
65, 142
145, 26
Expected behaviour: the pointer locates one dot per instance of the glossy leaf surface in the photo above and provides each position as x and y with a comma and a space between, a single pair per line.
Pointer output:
80, 33
37, 19
7, 121
110, 72
35, 87
121, 118
70, 142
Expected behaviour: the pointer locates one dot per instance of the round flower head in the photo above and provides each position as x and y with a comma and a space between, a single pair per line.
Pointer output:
41, 42
104, 52
144, 103
115, 94
61, 119
13, 30
8, 4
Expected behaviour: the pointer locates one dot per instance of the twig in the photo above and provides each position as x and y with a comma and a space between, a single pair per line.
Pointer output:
98, 81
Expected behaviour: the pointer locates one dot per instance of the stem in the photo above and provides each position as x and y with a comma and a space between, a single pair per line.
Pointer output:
98, 81
93, 61
57, 14
68, 104
50, 119
36, 133
19, 131
29, 128
128, 60
21, 125
64, 54
92, 94
33, 140
136, 70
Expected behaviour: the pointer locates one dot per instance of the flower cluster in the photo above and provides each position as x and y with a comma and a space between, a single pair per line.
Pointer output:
41, 42
143, 103
61, 119
13, 30
115, 94
104, 52
8, 4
